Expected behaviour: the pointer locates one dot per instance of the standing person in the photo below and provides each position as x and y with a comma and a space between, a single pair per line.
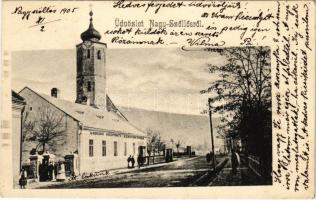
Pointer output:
50, 171
139, 161
238, 157
41, 172
128, 161
133, 161
23, 179
235, 161
61, 175
55, 169
208, 157
44, 176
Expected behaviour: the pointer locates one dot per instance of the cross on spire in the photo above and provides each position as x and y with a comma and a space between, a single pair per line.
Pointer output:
91, 13
91, 33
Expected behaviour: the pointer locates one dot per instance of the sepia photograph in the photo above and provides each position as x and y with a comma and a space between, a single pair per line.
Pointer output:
157, 99
96, 117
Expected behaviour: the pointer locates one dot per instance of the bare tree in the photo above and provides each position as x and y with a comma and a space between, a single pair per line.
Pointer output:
160, 145
155, 142
152, 137
242, 95
49, 128
178, 144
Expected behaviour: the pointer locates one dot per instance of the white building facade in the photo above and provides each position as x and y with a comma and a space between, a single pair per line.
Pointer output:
107, 150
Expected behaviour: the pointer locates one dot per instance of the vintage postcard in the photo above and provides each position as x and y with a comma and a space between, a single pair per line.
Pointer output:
158, 99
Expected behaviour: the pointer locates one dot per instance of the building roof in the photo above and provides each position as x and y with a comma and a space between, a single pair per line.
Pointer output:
16, 98
93, 117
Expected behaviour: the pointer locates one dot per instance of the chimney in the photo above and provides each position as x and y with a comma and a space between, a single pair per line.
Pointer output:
54, 92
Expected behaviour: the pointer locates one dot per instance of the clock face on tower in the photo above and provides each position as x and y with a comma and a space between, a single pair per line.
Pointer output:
87, 43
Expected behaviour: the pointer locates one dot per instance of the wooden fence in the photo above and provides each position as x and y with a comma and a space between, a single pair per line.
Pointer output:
150, 160
255, 165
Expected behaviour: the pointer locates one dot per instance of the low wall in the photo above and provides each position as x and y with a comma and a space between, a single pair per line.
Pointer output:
99, 164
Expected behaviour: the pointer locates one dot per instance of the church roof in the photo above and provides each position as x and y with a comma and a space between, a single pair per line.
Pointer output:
92, 117
91, 33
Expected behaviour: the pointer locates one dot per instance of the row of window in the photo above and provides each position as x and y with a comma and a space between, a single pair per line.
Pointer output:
115, 148
98, 54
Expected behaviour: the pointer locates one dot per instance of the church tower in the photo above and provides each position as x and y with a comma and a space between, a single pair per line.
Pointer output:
91, 74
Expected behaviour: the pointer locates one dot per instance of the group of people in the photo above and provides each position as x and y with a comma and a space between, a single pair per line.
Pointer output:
131, 160
47, 171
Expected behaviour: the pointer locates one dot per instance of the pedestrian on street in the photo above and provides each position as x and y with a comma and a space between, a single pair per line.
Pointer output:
128, 161
133, 161
41, 171
139, 161
61, 174
208, 157
235, 160
50, 171
55, 169
23, 179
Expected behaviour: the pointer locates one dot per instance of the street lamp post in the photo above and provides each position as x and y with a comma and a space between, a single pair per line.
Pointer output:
212, 137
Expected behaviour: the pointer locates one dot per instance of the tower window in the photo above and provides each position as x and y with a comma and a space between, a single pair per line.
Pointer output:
89, 86
99, 54
88, 53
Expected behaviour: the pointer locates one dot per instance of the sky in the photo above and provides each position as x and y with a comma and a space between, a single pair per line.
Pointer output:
159, 79
162, 79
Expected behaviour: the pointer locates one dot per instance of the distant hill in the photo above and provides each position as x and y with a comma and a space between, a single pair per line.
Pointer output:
193, 130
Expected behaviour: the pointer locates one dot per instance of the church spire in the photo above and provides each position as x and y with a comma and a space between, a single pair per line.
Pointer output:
91, 74
91, 33
91, 19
